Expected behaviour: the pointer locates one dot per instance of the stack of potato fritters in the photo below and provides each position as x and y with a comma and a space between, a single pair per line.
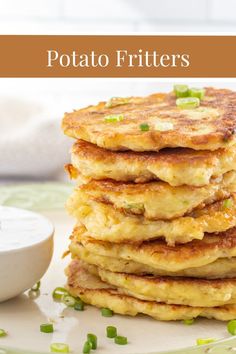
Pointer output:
155, 205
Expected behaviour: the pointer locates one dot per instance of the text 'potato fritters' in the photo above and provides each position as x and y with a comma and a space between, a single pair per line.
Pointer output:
208, 127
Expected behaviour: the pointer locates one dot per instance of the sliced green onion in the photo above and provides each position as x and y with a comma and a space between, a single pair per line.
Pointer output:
188, 322
121, 340
111, 332
227, 203
92, 338
59, 348
144, 127
46, 328
231, 327
36, 287
106, 312
188, 102
3, 333
114, 118
87, 347
197, 92
79, 305
68, 300
58, 293
116, 101
202, 341
181, 90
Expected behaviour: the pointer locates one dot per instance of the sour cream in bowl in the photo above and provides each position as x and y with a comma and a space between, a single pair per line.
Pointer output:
26, 248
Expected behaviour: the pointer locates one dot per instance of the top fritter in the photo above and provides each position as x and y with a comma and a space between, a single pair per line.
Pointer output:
155, 122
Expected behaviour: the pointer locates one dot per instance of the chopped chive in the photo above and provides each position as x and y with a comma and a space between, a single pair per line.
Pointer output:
189, 321
59, 292
46, 328
197, 92
231, 327
3, 333
144, 127
181, 90
36, 287
114, 118
227, 203
106, 312
121, 340
188, 102
202, 341
87, 347
111, 332
69, 301
92, 338
59, 348
79, 305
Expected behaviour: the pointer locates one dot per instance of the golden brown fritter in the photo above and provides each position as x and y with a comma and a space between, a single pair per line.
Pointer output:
105, 223
175, 166
157, 254
171, 290
208, 127
97, 293
220, 269
158, 200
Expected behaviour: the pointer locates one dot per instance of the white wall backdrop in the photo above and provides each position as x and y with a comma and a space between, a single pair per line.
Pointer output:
116, 16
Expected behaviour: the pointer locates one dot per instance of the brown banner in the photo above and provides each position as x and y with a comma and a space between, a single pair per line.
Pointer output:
117, 56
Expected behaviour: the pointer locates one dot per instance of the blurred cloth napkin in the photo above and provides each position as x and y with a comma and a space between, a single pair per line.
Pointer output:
31, 141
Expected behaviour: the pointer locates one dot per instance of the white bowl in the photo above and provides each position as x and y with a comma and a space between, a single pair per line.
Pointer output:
26, 248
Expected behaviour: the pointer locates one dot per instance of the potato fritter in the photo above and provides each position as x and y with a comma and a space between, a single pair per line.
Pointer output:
158, 255
158, 200
221, 268
97, 293
175, 166
208, 127
105, 223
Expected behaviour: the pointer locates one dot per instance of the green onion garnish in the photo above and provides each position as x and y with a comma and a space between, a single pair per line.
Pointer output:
121, 340
188, 322
79, 305
106, 312
59, 348
181, 90
46, 328
116, 101
231, 327
188, 102
87, 347
197, 92
3, 333
201, 341
68, 300
36, 287
58, 293
111, 332
114, 118
144, 127
92, 338
227, 203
